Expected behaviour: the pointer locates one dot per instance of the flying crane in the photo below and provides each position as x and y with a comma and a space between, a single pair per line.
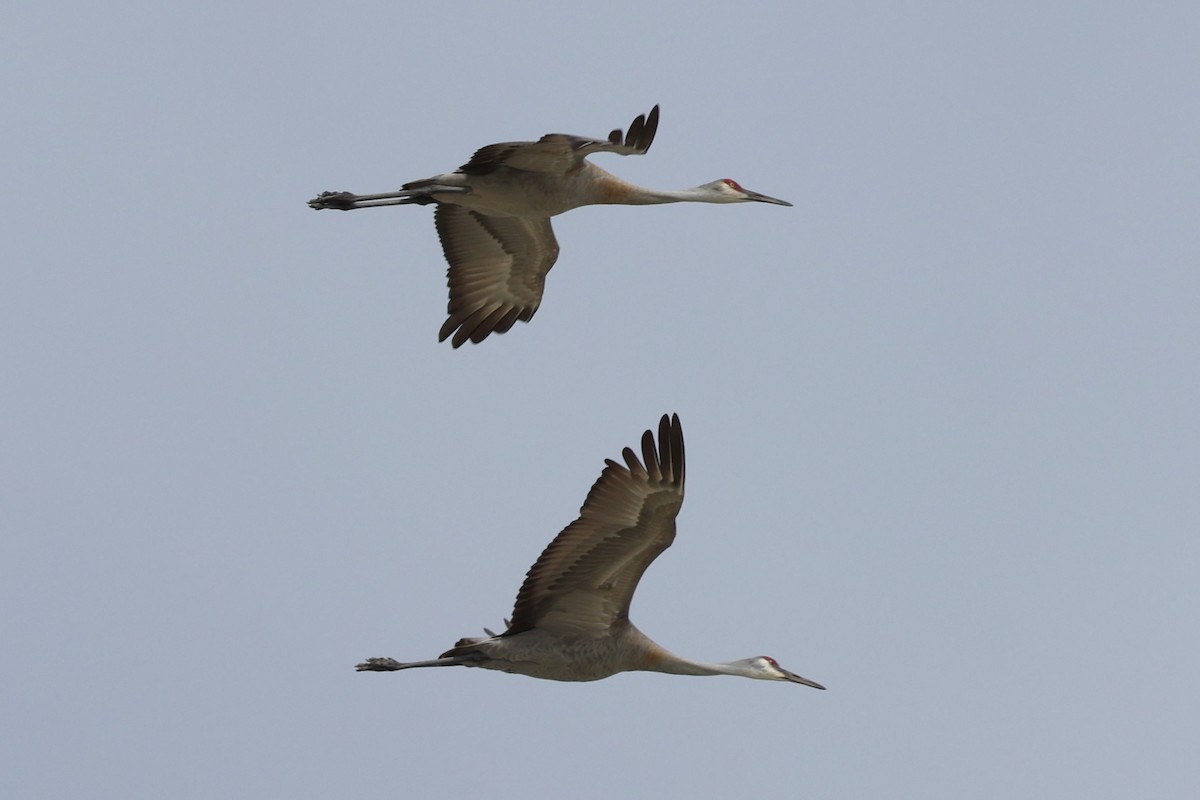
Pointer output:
571, 619
493, 217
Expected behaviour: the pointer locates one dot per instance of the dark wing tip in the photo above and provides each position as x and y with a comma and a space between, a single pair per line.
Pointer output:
648, 131
476, 325
664, 460
641, 132
670, 445
631, 460
635, 131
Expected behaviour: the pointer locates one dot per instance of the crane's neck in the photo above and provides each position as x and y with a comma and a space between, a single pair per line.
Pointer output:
659, 659
654, 197
608, 189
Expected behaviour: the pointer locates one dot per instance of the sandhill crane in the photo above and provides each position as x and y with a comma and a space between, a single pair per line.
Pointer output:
571, 619
493, 217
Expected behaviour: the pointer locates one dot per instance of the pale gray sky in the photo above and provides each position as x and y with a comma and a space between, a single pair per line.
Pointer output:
941, 416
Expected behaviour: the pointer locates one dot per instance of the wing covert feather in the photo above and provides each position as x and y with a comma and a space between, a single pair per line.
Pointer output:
497, 271
560, 153
584, 580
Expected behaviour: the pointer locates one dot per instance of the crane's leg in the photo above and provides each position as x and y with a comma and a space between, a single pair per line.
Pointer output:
391, 664
348, 201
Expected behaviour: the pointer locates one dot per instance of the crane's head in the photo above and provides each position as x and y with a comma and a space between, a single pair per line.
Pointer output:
727, 190
766, 668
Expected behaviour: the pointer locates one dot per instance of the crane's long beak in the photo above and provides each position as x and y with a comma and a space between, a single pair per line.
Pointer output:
762, 198
793, 677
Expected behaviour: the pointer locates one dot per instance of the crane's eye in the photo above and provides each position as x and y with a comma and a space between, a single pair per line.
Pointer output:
733, 184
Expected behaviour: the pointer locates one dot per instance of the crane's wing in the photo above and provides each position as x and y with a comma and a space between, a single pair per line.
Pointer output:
584, 579
559, 153
498, 269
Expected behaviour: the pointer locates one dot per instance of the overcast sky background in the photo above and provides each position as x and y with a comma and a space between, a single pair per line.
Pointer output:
941, 416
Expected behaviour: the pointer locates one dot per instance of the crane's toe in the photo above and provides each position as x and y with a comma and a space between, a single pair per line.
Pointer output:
378, 665
342, 201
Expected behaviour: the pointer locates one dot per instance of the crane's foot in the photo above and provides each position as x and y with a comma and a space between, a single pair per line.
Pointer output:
379, 665
342, 201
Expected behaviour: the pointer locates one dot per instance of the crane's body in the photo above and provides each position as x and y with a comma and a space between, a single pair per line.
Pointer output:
571, 619
493, 217
540, 654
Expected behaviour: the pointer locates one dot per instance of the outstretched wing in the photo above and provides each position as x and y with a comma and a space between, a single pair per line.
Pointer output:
584, 580
559, 153
497, 271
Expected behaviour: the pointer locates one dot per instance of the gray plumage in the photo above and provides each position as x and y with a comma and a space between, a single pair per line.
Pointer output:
571, 619
493, 217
